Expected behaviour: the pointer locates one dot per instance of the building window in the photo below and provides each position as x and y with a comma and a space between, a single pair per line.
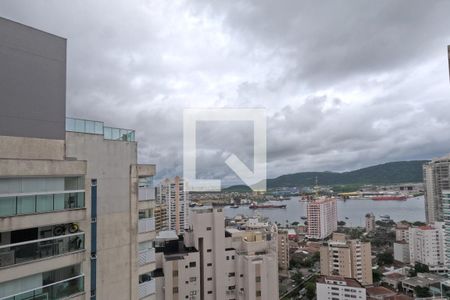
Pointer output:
258, 278
209, 292
231, 274
208, 228
175, 273
192, 264
209, 250
258, 293
228, 258
192, 279
209, 264
175, 290
242, 275
209, 278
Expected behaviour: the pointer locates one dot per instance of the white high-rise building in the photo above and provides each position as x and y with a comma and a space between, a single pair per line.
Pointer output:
446, 206
436, 176
172, 193
322, 218
426, 246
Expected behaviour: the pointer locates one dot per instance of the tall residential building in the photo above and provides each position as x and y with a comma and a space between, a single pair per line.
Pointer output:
370, 222
283, 251
74, 219
172, 193
426, 246
436, 176
213, 262
402, 232
338, 287
160, 213
321, 217
348, 258
446, 205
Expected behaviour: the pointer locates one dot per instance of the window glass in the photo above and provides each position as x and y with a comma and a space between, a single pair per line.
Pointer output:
26, 204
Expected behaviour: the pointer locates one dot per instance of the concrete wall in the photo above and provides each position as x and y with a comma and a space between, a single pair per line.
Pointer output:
32, 82
110, 162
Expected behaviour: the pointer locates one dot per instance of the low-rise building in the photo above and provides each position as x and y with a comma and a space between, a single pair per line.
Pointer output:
338, 287
423, 280
401, 252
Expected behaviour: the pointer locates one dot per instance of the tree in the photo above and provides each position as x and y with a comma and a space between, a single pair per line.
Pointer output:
296, 223
421, 268
297, 277
341, 223
418, 223
310, 290
422, 292
376, 274
385, 258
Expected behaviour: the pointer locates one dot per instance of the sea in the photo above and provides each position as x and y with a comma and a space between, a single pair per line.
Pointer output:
351, 211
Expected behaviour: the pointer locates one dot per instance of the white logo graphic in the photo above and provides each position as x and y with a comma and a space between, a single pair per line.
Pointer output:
256, 180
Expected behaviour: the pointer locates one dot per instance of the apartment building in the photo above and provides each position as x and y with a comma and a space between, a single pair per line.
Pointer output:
436, 175
213, 262
401, 252
75, 215
402, 232
160, 213
370, 222
446, 211
321, 217
338, 287
283, 251
346, 257
172, 193
427, 246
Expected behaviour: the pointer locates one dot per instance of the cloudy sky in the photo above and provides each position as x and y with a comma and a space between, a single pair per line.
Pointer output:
346, 84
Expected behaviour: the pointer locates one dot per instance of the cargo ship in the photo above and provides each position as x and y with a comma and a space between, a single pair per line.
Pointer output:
390, 197
255, 206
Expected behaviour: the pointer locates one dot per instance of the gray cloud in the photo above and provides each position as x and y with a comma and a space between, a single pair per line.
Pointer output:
346, 84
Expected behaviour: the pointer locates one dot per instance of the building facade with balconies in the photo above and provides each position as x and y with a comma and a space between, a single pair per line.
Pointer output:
213, 262
76, 209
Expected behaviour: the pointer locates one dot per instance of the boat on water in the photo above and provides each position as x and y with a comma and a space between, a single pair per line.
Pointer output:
254, 205
234, 206
390, 197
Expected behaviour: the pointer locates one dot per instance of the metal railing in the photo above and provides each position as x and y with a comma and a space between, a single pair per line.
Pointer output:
97, 127
146, 256
146, 193
146, 288
37, 249
56, 290
23, 204
146, 225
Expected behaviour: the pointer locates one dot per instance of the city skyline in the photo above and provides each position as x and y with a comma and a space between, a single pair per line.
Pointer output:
385, 84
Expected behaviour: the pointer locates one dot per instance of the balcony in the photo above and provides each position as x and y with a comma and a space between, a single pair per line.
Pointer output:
96, 127
146, 225
146, 288
38, 249
146, 256
56, 290
146, 193
32, 203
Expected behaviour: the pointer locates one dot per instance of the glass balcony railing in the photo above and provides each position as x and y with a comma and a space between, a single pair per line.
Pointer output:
146, 256
146, 193
43, 248
96, 127
146, 225
146, 288
40, 203
56, 290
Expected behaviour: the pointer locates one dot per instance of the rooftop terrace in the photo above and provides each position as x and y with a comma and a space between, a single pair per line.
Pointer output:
97, 127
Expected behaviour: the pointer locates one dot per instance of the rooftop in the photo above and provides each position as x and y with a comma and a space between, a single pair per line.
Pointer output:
377, 291
339, 280
97, 127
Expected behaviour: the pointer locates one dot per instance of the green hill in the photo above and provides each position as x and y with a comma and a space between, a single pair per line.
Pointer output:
388, 173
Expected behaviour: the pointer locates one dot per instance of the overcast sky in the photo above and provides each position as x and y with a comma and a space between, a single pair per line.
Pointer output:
346, 84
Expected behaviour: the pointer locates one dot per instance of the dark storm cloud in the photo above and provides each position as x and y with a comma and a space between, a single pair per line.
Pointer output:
346, 83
